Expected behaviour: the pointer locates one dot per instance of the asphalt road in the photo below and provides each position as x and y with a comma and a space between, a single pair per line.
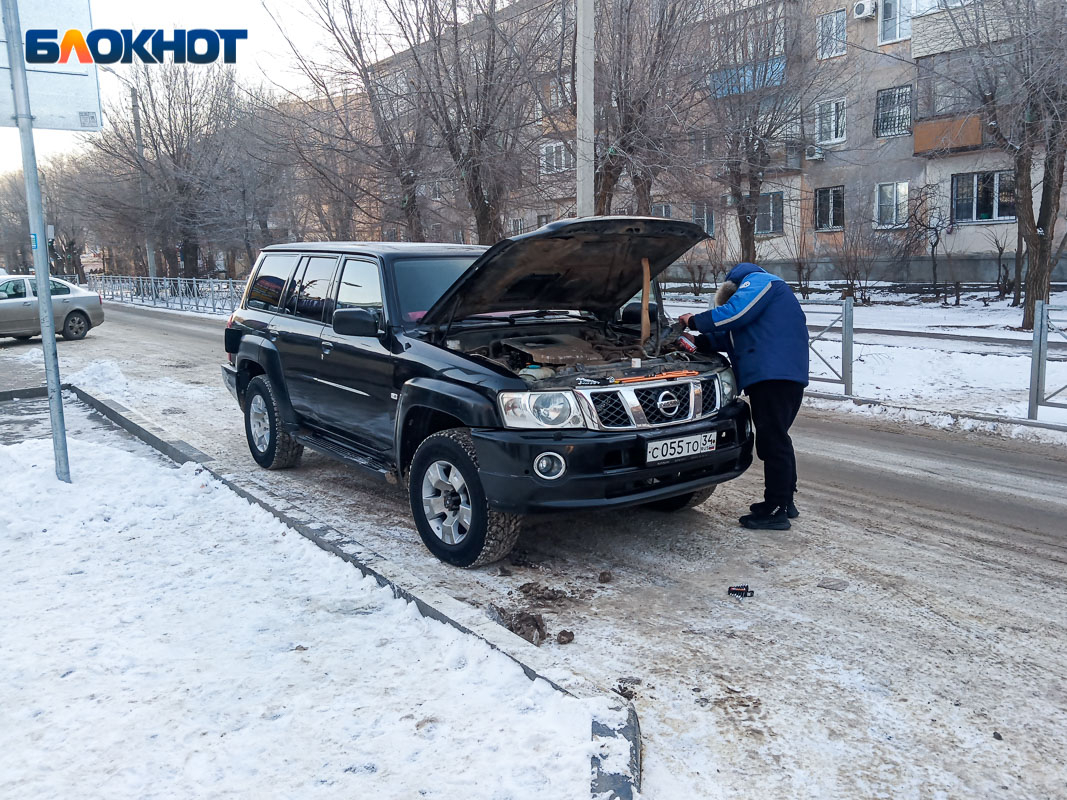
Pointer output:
949, 550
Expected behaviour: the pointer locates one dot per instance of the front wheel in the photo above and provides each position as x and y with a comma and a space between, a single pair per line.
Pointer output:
449, 504
683, 501
271, 446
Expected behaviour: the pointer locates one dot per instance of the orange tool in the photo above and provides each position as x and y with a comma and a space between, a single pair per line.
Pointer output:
681, 373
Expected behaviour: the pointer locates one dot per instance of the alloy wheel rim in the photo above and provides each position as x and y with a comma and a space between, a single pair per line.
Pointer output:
446, 501
259, 423
77, 325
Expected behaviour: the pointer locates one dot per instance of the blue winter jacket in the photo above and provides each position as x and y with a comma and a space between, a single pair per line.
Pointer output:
761, 328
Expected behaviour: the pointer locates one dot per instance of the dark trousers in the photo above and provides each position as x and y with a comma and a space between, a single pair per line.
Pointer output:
775, 405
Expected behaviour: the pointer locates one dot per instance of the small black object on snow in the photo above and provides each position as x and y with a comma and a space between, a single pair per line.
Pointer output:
741, 590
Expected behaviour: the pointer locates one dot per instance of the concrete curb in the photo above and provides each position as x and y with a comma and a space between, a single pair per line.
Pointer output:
623, 731
956, 415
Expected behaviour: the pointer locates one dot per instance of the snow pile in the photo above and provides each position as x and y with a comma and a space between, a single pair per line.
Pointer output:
165, 638
103, 376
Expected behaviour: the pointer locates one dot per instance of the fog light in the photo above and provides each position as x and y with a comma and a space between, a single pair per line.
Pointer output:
549, 466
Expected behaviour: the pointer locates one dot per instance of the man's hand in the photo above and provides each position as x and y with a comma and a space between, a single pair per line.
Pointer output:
684, 319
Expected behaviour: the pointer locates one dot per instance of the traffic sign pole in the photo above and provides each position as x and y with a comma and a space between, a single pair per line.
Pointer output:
16, 59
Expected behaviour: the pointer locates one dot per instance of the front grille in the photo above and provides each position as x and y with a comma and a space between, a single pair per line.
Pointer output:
610, 410
709, 391
650, 400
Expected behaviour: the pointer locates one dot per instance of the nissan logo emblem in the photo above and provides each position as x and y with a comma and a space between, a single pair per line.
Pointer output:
667, 404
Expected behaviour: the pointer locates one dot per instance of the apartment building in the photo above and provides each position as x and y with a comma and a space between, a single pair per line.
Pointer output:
893, 126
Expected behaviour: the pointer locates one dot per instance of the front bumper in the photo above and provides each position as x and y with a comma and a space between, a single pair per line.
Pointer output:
607, 470
229, 377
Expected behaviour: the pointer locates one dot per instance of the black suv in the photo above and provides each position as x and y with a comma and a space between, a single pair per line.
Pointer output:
496, 382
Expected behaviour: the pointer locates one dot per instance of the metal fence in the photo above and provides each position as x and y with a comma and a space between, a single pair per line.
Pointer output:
841, 313
1047, 319
206, 295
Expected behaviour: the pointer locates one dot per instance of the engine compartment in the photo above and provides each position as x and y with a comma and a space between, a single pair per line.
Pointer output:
585, 354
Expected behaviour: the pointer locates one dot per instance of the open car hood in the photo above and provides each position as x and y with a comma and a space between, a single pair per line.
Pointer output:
591, 264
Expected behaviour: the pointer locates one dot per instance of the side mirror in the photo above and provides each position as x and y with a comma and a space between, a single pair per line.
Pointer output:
355, 322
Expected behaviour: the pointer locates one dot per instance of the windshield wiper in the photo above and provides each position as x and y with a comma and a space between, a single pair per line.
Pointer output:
510, 318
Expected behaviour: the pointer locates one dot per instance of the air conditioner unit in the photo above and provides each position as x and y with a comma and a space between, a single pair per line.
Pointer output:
814, 153
864, 9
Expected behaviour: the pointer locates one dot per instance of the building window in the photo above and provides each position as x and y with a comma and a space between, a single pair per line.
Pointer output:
893, 204
831, 121
556, 157
559, 92
435, 190
704, 217
661, 210
543, 219
701, 145
769, 213
893, 112
517, 226
457, 236
830, 34
829, 208
894, 20
982, 196
437, 231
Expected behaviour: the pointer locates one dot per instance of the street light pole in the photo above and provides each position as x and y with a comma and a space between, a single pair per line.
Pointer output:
20, 89
585, 58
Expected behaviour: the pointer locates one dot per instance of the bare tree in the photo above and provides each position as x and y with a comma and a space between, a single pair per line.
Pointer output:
765, 79
998, 238
863, 247
927, 225
799, 246
14, 223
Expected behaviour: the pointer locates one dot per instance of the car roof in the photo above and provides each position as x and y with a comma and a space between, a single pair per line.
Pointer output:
379, 248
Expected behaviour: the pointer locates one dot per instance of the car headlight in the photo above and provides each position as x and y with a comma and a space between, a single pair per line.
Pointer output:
727, 386
541, 410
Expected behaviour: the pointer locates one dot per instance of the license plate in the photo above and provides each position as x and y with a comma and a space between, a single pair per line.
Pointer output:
682, 447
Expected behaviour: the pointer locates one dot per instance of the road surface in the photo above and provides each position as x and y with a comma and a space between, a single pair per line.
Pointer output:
906, 639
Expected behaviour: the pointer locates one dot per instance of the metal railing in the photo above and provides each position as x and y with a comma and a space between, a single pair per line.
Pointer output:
1044, 324
204, 295
841, 311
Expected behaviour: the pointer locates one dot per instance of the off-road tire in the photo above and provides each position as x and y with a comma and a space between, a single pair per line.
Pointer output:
683, 501
282, 450
492, 534
76, 325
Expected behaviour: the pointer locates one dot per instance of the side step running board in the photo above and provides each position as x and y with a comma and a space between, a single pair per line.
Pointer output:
342, 452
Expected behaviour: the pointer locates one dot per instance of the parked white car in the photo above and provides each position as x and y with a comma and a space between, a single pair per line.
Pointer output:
75, 310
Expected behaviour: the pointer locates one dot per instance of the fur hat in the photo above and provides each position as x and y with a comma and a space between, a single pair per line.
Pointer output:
725, 292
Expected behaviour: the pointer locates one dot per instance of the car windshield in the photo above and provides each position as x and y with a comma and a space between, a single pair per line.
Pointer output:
420, 282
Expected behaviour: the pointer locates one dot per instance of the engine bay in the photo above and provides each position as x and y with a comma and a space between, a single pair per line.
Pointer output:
589, 354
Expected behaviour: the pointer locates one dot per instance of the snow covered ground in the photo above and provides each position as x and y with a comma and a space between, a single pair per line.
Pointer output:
164, 638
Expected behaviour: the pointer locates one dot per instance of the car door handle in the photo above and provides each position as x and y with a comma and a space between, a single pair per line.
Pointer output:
327, 348
27, 302
272, 335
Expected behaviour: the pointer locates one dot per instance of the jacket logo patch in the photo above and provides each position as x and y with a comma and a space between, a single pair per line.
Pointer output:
746, 284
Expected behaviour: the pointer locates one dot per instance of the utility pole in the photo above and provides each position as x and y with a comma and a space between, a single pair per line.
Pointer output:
585, 57
149, 248
24, 120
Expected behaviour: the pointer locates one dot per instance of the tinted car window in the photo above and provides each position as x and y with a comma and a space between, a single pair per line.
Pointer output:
420, 282
12, 289
314, 286
360, 286
58, 288
265, 293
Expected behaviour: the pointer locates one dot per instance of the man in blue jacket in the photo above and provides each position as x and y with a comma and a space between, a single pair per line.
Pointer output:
758, 322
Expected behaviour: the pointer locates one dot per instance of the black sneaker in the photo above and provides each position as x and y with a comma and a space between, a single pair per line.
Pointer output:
776, 520
764, 508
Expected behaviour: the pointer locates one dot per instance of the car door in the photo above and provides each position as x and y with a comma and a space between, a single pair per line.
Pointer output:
356, 372
61, 301
18, 308
297, 332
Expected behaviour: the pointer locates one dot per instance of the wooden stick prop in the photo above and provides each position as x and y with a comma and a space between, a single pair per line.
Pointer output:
646, 274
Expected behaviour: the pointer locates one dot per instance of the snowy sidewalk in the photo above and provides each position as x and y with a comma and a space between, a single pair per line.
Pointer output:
165, 638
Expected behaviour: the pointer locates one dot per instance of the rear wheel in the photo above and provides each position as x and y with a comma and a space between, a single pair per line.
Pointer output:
683, 501
76, 325
270, 446
449, 503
